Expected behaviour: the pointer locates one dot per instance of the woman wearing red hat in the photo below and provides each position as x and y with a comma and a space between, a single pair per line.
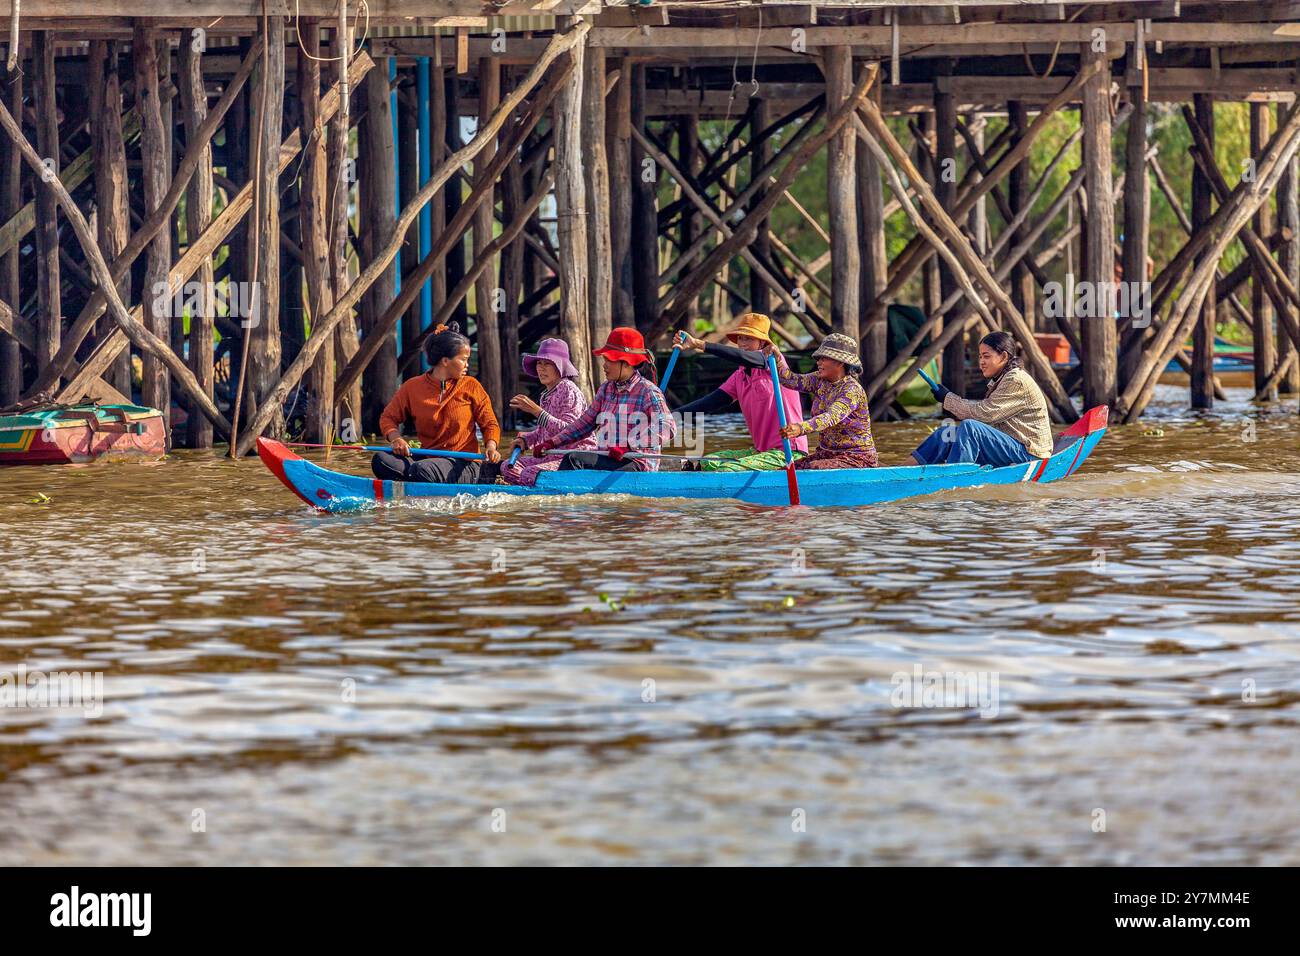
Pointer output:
629, 411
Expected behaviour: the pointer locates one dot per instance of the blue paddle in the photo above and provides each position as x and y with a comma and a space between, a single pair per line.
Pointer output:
785, 442
514, 455
417, 452
928, 380
672, 362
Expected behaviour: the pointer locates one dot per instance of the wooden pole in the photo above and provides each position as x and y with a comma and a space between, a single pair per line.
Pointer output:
1288, 214
618, 133
408, 183
759, 297
1261, 306
512, 280
1137, 209
842, 209
600, 308
571, 211
11, 200
644, 247
49, 309
437, 153
1022, 282
166, 96
112, 212
949, 258
931, 293
945, 191
978, 221
1203, 331
1097, 332
487, 299
342, 174
266, 89
455, 261
198, 217
379, 197
314, 214
155, 176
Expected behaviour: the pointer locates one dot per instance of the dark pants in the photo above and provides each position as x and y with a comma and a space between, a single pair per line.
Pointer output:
445, 471
594, 461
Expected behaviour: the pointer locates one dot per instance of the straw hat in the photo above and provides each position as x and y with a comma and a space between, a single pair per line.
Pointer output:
754, 324
841, 348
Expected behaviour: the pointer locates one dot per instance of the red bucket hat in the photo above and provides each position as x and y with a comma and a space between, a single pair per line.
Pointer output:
624, 345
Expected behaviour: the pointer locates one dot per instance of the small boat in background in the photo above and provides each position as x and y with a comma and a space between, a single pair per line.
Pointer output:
71, 434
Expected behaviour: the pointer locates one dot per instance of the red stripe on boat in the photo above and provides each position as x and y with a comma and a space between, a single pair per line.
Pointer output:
379, 490
1069, 471
1042, 466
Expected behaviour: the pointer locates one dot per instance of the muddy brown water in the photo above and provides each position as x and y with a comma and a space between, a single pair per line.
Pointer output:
623, 681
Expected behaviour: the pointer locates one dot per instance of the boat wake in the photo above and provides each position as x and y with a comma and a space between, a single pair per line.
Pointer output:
1176, 481
497, 501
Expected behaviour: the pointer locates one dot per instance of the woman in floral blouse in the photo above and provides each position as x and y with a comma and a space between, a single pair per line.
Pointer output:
839, 407
562, 404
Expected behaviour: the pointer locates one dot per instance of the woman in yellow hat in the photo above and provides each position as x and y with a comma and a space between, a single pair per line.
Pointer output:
750, 386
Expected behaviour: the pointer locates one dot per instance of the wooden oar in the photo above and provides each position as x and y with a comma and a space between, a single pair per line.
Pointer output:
672, 362
417, 452
785, 442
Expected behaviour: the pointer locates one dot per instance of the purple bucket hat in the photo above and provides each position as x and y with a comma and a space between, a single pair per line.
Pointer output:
555, 351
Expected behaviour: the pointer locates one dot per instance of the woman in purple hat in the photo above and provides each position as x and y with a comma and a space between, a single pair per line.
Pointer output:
562, 404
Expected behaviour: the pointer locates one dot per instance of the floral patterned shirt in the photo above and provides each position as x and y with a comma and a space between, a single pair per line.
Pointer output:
562, 405
839, 410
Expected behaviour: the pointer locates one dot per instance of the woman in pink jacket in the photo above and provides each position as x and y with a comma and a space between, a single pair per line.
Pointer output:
749, 387
561, 405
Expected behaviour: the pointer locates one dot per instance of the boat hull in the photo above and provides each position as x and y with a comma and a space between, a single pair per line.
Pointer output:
848, 487
81, 434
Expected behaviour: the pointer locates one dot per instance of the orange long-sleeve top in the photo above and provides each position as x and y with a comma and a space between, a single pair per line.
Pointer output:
445, 413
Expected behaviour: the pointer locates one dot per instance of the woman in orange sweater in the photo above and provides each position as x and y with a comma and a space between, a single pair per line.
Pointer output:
446, 405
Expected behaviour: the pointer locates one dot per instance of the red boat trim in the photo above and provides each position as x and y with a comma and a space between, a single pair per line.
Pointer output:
1069, 471
274, 455
1038, 472
379, 490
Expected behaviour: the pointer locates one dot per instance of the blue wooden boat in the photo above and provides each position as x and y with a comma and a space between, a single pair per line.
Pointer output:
846, 487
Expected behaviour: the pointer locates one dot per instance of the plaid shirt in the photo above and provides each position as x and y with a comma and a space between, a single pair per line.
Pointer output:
631, 414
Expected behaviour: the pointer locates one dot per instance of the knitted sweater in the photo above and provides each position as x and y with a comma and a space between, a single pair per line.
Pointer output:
1014, 406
